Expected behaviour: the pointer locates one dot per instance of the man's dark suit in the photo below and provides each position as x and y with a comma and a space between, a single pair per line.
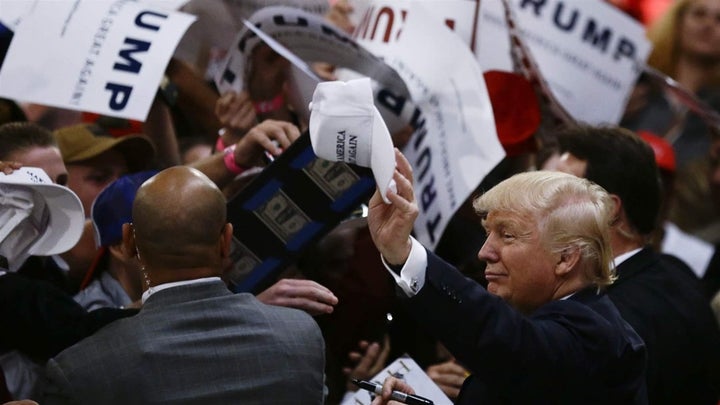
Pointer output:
577, 350
195, 344
666, 306
40, 320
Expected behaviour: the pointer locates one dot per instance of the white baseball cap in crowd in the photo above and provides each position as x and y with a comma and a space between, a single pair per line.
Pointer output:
29, 198
345, 126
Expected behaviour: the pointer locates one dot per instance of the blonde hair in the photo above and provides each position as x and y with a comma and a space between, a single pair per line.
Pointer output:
664, 34
570, 212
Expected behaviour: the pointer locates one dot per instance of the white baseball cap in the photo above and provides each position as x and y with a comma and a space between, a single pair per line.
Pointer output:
346, 127
64, 217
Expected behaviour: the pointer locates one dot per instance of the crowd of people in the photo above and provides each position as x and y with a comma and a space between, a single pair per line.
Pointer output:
584, 269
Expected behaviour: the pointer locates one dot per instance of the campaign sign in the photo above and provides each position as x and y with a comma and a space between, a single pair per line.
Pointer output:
291, 204
100, 56
455, 142
586, 50
311, 38
384, 19
13, 11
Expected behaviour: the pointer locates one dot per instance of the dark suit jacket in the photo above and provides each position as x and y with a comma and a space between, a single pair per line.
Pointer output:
195, 344
40, 320
665, 304
573, 351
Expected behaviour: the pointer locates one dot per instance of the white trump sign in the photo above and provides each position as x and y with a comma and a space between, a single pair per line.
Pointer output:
106, 57
587, 50
383, 20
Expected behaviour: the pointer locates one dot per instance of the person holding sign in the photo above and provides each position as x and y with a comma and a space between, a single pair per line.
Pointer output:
686, 48
544, 331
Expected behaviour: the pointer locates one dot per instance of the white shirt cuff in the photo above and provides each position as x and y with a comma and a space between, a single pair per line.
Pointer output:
412, 274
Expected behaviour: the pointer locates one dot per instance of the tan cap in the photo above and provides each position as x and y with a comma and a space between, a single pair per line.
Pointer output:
84, 141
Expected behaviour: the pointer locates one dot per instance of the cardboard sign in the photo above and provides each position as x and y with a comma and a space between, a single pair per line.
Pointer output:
587, 50
106, 57
383, 20
291, 204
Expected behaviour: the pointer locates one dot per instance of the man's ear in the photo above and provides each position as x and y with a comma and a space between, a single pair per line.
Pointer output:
617, 210
129, 247
568, 260
118, 251
226, 240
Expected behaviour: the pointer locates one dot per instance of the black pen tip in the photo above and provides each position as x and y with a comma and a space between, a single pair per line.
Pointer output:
355, 380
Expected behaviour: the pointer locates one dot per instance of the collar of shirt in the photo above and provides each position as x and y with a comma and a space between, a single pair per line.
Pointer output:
618, 260
152, 290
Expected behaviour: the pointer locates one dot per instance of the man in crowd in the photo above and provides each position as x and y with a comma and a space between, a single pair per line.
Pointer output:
193, 341
28, 144
95, 159
659, 296
38, 320
114, 278
543, 332
32, 145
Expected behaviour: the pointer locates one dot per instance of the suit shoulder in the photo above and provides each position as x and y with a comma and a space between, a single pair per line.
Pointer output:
297, 319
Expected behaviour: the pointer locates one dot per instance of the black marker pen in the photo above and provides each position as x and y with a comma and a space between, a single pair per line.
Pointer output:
396, 395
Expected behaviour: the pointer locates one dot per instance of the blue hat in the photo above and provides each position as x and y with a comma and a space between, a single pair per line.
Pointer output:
113, 207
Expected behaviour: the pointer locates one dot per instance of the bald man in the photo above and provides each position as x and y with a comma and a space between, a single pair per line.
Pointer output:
193, 341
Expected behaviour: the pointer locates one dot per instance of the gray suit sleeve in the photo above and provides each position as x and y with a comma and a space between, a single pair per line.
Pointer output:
57, 388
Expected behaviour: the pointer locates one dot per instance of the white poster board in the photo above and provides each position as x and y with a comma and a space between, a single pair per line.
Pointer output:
13, 11
587, 50
106, 57
384, 20
455, 145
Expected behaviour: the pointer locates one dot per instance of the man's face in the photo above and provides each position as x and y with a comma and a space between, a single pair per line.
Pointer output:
89, 177
519, 269
47, 158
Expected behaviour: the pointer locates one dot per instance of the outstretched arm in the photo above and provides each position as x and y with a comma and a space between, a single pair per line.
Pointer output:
306, 295
270, 135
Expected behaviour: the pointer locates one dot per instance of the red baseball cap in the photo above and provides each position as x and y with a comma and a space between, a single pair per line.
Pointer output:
664, 153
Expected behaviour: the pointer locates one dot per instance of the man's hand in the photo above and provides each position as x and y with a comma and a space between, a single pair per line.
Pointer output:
449, 376
368, 360
236, 113
339, 15
306, 295
271, 136
9, 167
392, 384
391, 224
